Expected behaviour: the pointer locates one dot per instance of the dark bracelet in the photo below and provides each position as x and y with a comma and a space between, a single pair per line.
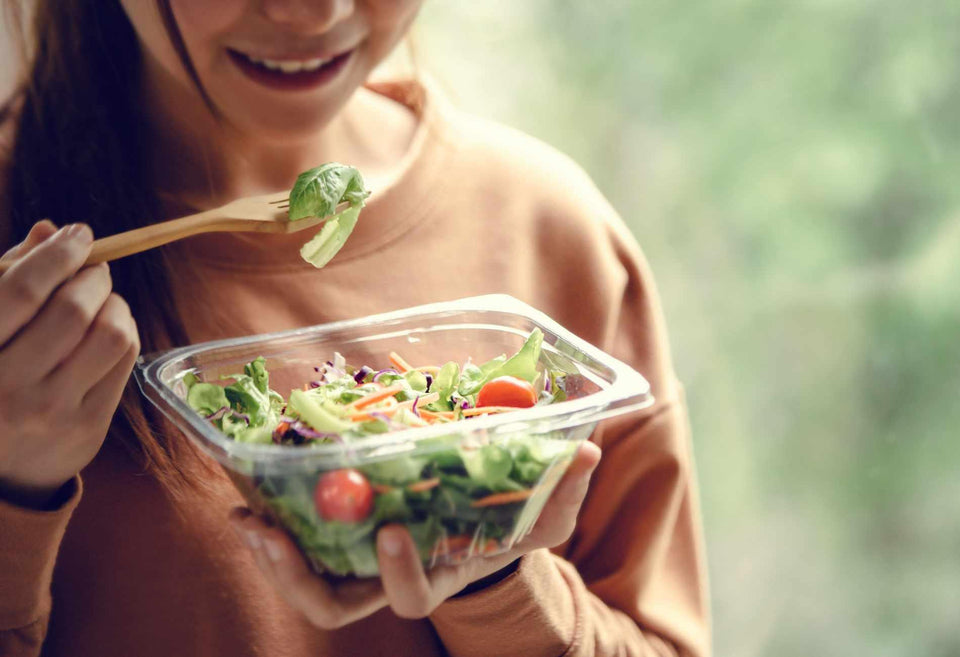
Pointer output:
491, 579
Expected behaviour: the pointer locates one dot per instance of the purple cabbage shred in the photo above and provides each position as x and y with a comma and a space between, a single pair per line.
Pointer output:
362, 374
389, 370
216, 415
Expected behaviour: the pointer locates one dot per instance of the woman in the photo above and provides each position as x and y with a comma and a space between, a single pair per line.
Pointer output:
135, 111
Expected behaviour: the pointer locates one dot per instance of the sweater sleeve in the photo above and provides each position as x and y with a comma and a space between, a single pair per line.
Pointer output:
631, 580
29, 541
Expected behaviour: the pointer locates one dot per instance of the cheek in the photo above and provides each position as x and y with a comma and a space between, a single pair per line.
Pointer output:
203, 23
200, 23
389, 20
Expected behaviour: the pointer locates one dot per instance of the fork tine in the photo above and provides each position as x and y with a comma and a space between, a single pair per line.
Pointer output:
280, 200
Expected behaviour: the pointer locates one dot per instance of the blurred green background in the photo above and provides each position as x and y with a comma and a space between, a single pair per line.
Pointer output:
789, 169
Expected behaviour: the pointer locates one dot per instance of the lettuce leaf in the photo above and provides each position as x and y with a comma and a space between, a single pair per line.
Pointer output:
206, 398
319, 191
331, 238
523, 364
315, 414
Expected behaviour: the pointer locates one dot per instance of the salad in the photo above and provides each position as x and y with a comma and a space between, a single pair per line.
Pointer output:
317, 193
456, 499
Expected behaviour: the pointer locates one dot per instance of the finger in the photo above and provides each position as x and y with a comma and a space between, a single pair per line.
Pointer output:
111, 339
102, 399
40, 231
576, 480
559, 516
27, 285
58, 328
326, 606
415, 593
404, 581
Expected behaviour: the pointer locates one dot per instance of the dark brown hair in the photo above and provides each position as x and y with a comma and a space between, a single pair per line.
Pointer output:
79, 155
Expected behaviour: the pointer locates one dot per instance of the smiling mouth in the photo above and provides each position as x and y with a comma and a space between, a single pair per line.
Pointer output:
290, 74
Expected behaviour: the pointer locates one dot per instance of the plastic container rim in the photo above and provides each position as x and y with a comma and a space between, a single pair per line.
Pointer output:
629, 391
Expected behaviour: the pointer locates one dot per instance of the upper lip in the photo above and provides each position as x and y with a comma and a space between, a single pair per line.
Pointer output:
299, 56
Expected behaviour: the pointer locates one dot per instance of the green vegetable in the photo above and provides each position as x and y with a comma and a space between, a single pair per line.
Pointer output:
445, 384
257, 371
416, 380
317, 193
331, 238
523, 364
314, 414
399, 470
490, 465
433, 491
206, 398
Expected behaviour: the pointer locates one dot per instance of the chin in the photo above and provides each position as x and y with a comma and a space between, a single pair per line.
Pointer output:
284, 128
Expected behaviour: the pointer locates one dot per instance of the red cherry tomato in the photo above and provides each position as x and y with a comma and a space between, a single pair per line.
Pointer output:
344, 495
507, 391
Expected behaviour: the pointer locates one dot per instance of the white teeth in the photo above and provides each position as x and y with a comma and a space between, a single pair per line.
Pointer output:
313, 64
289, 65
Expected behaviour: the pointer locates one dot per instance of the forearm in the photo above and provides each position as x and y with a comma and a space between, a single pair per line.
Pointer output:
544, 608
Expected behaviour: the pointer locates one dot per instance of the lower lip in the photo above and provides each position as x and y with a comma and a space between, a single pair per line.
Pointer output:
299, 81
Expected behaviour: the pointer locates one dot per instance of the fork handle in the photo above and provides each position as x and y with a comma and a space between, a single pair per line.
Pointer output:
144, 238
140, 239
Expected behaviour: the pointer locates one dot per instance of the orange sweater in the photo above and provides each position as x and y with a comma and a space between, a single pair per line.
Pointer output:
122, 569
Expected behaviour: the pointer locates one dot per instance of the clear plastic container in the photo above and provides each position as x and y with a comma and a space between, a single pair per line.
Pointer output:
451, 521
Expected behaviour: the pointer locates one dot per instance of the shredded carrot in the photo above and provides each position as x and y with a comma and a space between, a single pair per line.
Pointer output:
483, 410
423, 486
434, 415
502, 498
282, 428
422, 399
399, 362
373, 398
381, 489
394, 406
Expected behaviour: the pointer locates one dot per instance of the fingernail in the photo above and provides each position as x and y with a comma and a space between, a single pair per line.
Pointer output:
253, 540
79, 232
391, 545
273, 549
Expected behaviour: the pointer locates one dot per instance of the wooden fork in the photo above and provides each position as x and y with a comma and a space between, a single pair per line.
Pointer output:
261, 214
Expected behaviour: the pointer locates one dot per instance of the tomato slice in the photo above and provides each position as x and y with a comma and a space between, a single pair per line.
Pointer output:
344, 495
507, 391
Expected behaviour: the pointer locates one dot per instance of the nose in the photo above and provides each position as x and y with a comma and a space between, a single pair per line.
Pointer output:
308, 16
